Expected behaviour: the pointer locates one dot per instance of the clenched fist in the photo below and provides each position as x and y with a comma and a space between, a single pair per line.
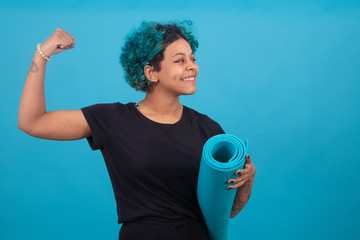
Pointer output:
59, 41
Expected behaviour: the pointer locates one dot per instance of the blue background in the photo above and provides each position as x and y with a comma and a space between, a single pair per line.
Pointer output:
284, 74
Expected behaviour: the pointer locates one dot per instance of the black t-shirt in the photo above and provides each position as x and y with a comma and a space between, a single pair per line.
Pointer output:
153, 167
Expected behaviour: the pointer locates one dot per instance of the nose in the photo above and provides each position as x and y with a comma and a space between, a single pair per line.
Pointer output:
191, 65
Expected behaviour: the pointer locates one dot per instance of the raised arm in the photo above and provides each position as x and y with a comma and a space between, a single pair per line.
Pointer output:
33, 117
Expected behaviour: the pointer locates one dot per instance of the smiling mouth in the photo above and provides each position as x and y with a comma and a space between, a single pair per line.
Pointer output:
192, 78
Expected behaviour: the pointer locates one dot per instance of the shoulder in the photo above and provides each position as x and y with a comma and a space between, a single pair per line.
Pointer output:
213, 126
104, 106
197, 115
104, 112
108, 108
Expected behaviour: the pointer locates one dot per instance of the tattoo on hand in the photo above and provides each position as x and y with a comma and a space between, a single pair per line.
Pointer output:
34, 68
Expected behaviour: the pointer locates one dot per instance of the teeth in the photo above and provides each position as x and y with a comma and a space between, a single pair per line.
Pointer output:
188, 79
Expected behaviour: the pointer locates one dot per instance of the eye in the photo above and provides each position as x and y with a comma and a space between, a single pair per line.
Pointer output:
182, 60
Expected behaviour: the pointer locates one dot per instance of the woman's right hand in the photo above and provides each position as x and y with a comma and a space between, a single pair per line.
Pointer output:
59, 41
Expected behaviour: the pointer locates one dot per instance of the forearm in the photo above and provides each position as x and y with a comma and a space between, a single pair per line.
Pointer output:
242, 197
32, 102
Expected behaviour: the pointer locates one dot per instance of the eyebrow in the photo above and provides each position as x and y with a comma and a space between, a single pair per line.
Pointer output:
181, 53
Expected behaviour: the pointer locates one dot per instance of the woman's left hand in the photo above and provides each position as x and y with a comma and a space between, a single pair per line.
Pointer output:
246, 174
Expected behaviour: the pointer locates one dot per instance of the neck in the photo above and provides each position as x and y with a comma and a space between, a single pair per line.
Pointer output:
161, 104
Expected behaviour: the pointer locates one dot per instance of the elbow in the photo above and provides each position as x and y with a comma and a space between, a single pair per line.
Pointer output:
24, 127
21, 127
28, 125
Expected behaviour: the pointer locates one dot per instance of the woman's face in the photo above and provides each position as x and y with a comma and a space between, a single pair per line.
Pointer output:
178, 69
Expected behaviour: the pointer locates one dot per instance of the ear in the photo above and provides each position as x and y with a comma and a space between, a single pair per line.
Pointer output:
150, 73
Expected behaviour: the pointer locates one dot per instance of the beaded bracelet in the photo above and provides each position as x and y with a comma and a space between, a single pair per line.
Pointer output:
47, 58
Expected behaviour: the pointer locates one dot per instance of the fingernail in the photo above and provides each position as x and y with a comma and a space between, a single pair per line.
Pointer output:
231, 181
238, 173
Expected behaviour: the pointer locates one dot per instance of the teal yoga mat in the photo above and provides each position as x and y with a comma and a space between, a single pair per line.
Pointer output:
222, 155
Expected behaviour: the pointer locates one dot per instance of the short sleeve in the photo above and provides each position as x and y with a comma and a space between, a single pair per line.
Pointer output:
213, 127
99, 118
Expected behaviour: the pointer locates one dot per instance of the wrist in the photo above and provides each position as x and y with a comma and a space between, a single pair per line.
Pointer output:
42, 53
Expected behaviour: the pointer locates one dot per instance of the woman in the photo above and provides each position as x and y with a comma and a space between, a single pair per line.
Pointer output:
152, 148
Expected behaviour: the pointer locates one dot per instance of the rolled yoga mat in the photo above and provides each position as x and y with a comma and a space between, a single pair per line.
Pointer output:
222, 155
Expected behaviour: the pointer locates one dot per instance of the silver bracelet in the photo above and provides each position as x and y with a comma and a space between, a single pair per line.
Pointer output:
47, 58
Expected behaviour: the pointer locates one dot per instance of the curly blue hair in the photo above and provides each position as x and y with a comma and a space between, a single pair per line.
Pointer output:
146, 45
